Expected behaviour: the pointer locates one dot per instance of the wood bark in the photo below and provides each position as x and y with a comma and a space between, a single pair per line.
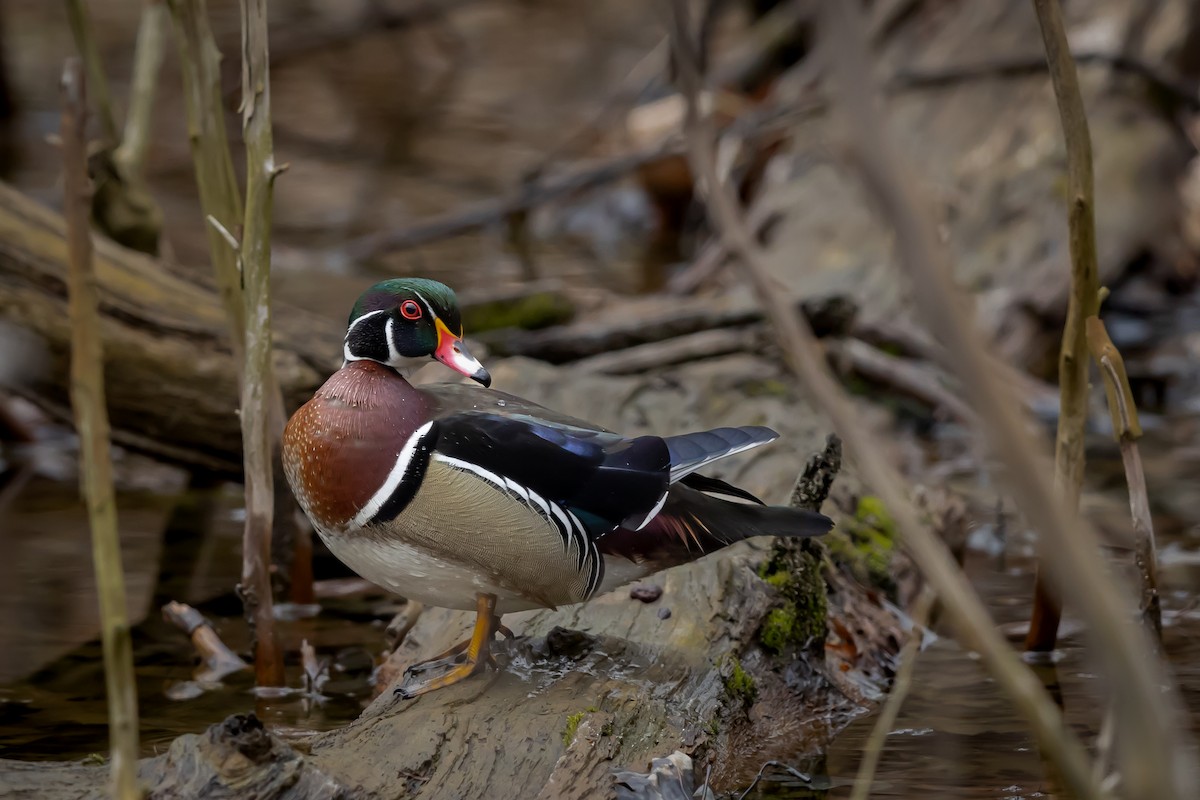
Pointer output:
171, 381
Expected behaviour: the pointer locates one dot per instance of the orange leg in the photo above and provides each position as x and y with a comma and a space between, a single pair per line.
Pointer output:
461, 661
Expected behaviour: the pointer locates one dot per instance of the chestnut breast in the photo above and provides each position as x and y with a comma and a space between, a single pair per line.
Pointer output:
339, 447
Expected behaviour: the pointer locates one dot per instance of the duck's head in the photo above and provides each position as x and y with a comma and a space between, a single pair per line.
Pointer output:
406, 318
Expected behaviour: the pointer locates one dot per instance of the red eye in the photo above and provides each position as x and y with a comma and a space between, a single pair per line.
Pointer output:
410, 309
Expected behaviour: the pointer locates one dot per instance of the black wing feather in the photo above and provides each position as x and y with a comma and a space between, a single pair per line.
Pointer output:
602, 477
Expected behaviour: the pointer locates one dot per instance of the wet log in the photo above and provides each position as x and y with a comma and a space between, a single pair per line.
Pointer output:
583, 695
237, 758
726, 665
171, 382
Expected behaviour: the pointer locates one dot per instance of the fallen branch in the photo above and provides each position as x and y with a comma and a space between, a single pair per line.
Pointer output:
1181, 92
648, 321
217, 661
91, 422
166, 333
1127, 430
1156, 761
676, 350
922, 382
528, 195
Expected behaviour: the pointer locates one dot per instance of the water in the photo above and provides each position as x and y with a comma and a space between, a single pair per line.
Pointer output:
51, 672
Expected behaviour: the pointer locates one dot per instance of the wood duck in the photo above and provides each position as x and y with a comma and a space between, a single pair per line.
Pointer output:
465, 497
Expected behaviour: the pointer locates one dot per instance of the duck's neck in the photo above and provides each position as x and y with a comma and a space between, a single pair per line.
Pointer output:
378, 390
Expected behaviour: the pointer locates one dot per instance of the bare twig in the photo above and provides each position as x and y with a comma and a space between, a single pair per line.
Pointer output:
490, 212
216, 659
1084, 302
1127, 431
258, 382
81, 30
130, 156
1154, 763
200, 64
91, 421
891, 708
1178, 91
1140, 18
917, 380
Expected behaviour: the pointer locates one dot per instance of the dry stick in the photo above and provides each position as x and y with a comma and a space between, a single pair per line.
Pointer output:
219, 194
81, 30
891, 708
200, 64
802, 353
217, 661
1084, 302
1127, 430
91, 421
1154, 763
258, 380
130, 156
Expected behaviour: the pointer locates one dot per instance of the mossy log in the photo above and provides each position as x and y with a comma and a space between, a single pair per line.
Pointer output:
766, 650
171, 382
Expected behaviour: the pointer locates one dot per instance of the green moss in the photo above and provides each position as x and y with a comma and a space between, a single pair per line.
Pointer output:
740, 684
540, 310
607, 728
866, 544
800, 617
714, 727
572, 726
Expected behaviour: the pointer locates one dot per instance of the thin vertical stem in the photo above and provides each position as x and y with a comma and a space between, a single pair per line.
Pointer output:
200, 64
147, 60
1084, 302
258, 382
1127, 430
91, 422
81, 30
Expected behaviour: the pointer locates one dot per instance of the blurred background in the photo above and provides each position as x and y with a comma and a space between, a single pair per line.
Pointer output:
526, 152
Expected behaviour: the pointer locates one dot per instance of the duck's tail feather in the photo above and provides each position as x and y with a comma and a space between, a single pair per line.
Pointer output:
692, 524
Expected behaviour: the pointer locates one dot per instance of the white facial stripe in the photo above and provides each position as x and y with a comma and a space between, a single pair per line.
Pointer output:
393, 480
389, 331
346, 354
653, 512
428, 307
